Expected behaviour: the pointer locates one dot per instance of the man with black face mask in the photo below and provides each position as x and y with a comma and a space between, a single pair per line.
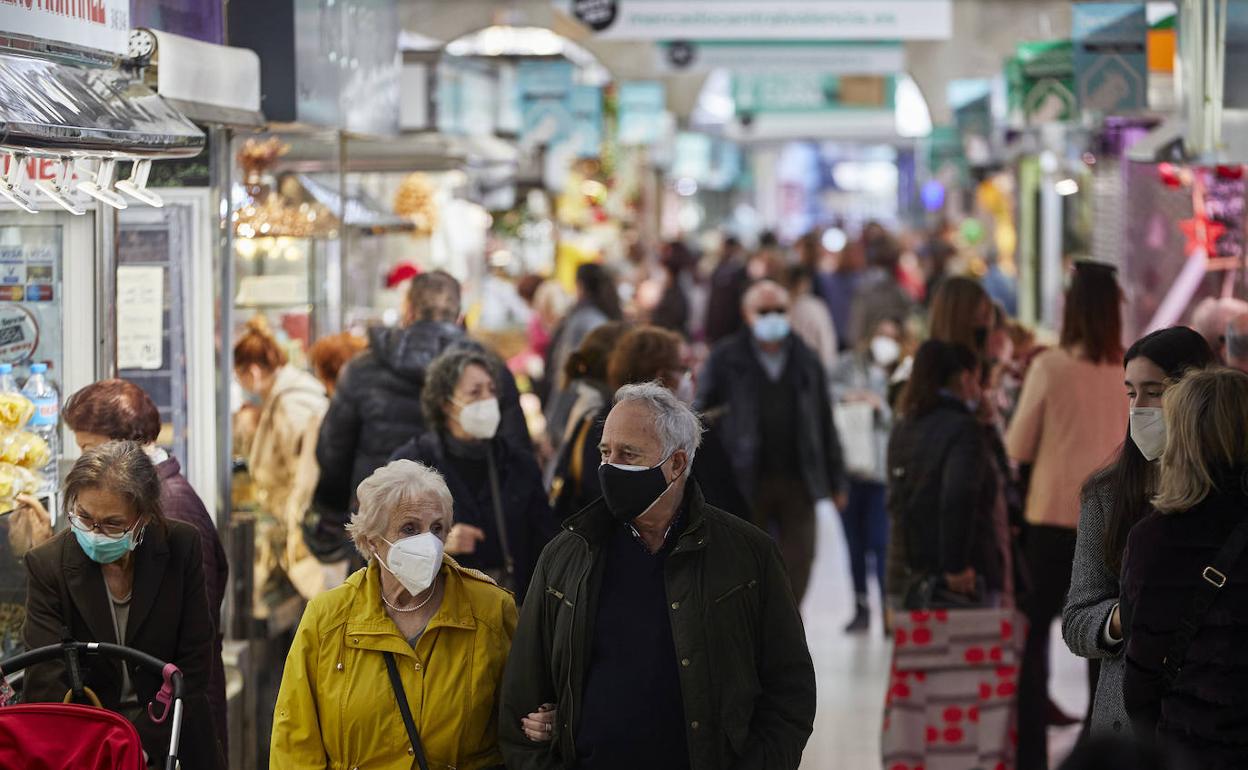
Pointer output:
659, 632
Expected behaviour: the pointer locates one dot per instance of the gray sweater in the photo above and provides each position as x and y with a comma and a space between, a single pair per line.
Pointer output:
1093, 594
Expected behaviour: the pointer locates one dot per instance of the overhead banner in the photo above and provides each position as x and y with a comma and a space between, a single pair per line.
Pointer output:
772, 20
102, 25
1111, 57
752, 56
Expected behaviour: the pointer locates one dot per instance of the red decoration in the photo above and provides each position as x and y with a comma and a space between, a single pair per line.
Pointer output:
1169, 175
900, 636
985, 691
1230, 172
953, 714
401, 272
922, 636
1202, 233
954, 735
933, 734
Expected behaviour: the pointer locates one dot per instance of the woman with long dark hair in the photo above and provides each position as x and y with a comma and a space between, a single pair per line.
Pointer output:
1070, 420
940, 491
1115, 500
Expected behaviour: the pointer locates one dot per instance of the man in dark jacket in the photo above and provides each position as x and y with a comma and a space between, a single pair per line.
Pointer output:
771, 397
376, 406
728, 281
659, 632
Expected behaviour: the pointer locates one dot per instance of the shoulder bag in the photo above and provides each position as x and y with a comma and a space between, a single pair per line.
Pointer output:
1213, 580
405, 710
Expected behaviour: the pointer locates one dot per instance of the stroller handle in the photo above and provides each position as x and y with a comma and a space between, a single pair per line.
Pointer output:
171, 694
132, 656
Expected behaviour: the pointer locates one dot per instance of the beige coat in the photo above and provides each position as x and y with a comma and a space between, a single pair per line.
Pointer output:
283, 465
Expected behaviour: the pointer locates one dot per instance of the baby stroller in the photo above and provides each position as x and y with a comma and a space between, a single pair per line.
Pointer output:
44, 736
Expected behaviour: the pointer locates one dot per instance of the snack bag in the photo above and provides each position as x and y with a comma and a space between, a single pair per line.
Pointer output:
15, 410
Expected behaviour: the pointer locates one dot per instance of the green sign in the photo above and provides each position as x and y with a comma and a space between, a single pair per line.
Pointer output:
810, 92
1041, 79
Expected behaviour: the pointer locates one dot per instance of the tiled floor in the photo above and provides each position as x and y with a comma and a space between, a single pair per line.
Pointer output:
852, 671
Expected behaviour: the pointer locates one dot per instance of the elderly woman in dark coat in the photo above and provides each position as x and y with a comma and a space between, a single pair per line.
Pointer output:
116, 410
502, 517
1186, 678
124, 574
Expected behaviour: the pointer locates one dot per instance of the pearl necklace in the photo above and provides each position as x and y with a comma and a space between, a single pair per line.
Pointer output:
432, 591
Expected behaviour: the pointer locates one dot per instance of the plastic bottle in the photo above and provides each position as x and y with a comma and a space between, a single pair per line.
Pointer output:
46, 421
8, 383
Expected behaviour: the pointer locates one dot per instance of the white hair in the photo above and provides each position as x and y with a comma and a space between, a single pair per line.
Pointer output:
390, 486
678, 427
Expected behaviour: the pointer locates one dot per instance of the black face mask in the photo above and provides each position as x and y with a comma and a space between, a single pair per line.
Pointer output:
630, 493
981, 337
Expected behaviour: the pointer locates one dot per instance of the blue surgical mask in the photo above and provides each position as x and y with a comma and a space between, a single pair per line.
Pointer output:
772, 327
105, 550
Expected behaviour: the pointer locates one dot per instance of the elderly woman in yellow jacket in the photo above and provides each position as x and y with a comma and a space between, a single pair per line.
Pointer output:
412, 638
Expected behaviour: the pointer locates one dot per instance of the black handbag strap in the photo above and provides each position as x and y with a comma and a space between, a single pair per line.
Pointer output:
500, 521
1212, 580
400, 695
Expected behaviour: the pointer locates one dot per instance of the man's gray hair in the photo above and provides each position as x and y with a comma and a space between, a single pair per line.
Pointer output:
677, 425
382, 493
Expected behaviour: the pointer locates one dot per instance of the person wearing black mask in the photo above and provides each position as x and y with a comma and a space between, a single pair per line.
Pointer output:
660, 632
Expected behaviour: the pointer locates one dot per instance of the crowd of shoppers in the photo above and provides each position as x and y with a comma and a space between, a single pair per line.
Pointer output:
621, 583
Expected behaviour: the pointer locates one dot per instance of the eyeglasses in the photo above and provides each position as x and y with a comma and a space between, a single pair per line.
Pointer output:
778, 310
112, 531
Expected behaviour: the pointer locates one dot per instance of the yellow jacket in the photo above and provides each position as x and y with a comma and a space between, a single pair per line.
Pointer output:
336, 709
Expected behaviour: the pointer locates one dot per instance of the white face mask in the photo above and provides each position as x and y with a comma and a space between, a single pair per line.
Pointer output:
1148, 431
480, 419
885, 350
414, 561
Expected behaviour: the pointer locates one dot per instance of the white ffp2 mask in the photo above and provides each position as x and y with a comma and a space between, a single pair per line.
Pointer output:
414, 561
480, 419
1148, 431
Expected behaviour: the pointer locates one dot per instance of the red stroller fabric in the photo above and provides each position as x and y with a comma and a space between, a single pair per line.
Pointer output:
54, 736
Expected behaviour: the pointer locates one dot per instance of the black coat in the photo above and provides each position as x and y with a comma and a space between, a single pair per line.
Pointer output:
712, 468
376, 409
169, 620
746, 677
941, 497
530, 523
729, 388
1203, 720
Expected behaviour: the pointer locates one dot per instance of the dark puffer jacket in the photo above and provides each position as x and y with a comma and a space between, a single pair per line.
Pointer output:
941, 493
1203, 719
376, 409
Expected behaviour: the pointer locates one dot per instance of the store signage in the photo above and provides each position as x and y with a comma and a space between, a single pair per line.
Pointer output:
96, 24
754, 56
585, 103
809, 92
19, 334
1041, 80
1111, 57
596, 14
642, 105
545, 87
772, 20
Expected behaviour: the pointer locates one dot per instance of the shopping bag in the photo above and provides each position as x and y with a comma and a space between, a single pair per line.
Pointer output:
855, 426
951, 702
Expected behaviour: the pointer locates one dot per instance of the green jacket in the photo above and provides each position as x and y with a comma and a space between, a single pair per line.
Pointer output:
749, 684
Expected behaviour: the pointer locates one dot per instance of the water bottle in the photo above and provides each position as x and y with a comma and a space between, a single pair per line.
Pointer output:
46, 421
8, 383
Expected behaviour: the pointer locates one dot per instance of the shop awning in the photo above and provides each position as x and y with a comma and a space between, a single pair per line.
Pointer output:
72, 111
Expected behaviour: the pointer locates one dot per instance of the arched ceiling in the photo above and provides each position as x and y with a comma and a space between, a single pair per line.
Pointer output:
985, 34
